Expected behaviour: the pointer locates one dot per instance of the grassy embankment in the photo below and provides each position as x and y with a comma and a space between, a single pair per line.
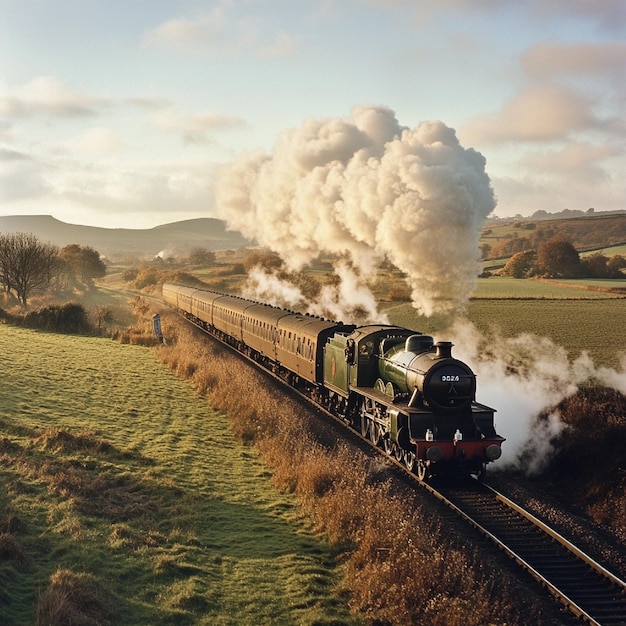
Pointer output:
125, 499
115, 496
401, 565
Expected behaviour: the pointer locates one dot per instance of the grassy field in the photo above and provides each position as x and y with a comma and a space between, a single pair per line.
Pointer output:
123, 493
506, 287
595, 326
608, 251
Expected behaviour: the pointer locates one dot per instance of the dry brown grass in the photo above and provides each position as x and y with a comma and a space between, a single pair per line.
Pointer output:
400, 565
591, 464
136, 336
91, 487
74, 598
10, 548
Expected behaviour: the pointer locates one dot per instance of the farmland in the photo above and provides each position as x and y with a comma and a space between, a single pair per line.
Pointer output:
120, 489
115, 475
123, 485
502, 287
573, 314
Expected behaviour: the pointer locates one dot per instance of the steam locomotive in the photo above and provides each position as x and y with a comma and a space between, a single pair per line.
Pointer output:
400, 389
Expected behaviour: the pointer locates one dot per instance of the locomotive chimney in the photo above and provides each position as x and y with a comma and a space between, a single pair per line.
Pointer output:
444, 349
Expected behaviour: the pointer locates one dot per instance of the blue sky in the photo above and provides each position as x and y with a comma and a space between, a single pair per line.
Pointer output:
117, 114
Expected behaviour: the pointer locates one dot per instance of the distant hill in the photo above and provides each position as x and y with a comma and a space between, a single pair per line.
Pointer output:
205, 232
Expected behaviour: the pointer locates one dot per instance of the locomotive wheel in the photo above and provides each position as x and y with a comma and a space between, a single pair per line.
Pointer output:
409, 460
390, 391
375, 433
421, 470
389, 446
369, 428
365, 425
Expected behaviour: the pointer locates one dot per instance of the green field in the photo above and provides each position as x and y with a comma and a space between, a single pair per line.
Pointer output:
608, 251
506, 287
112, 468
595, 326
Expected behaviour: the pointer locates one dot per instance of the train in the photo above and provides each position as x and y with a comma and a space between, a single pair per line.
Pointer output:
398, 388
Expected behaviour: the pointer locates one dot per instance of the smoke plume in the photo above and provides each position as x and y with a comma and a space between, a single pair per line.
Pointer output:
365, 189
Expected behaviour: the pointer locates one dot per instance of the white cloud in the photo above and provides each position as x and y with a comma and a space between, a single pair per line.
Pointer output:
609, 15
186, 32
47, 95
223, 33
21, 177
196, 128
95, 142
548, 59
538, 112
579, 161
154, 187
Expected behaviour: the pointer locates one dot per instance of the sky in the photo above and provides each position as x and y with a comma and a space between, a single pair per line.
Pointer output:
119, 114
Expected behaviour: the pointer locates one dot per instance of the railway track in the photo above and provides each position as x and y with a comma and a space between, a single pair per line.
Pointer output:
588, 590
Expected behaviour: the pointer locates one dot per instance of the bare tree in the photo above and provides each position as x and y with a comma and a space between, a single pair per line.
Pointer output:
26, 264
201, 256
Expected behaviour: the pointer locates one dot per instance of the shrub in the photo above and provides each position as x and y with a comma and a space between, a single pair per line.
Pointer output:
130, 274
10, 548
147, 276
66, 318
592, 455
4, 316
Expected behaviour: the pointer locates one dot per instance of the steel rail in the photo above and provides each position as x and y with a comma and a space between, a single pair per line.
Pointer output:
618, 582
601, 598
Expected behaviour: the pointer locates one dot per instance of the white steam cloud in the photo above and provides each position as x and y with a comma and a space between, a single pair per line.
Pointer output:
348, 301
364, 189
523, 377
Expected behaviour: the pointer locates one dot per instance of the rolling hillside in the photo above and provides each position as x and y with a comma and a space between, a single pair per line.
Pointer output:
503, 238
206, 233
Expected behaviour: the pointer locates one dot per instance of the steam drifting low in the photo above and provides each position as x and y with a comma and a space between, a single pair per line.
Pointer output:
366, 189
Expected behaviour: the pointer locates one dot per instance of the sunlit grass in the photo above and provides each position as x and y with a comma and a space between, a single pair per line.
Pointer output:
119, 476
506, 287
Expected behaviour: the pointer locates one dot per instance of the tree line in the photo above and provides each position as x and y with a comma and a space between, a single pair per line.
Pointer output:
558, 258
29, 266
